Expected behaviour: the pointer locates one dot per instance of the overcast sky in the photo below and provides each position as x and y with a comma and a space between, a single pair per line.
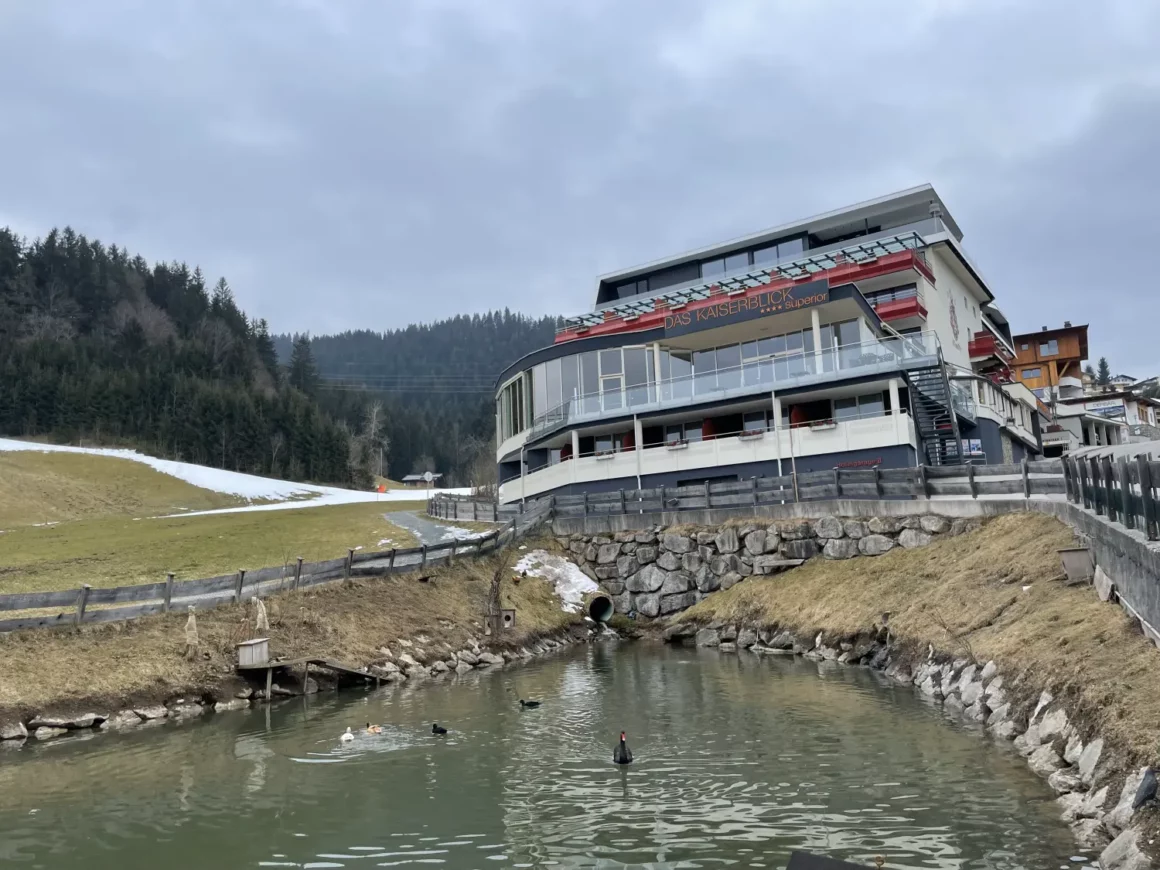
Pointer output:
367, 164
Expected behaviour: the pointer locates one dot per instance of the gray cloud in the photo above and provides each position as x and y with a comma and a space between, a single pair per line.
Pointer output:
352, 164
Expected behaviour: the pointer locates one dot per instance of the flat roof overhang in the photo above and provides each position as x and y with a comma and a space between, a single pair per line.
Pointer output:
922, 196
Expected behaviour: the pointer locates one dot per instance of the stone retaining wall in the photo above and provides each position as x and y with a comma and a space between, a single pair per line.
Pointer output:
662, 570
1094, 797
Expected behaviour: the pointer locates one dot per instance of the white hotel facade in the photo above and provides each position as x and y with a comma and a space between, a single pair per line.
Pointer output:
861, 337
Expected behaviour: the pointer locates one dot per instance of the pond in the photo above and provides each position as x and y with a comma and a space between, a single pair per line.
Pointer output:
739, 760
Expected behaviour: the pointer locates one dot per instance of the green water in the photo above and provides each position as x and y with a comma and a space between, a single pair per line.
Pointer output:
738, 761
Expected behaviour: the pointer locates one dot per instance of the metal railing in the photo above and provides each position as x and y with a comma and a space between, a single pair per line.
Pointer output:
751, 377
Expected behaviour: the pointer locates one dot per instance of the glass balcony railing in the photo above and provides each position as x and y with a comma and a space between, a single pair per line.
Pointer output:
752, 377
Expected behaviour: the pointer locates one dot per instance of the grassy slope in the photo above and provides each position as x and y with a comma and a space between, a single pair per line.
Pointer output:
60, 487
104, 666
965, 596
119, 551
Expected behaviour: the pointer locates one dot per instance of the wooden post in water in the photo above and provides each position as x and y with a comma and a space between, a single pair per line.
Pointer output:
82, 602
168, 592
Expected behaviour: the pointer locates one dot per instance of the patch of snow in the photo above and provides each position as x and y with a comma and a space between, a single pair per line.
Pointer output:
571, 583
246, 486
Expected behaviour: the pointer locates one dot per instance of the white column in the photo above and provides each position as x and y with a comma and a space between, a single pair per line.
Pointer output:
777, 434
894, 401
523, 474
816, 323
638, 438
776, 413
575, 452
656, 350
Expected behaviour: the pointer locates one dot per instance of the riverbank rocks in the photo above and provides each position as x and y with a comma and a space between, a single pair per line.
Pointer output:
636, 569
13, 731
156, 712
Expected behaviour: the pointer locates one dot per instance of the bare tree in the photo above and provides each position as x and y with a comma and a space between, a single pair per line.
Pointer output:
277, 442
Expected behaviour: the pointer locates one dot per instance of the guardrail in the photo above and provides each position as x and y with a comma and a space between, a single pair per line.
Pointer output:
87, 605
1121, 490
467, 508
1026, 479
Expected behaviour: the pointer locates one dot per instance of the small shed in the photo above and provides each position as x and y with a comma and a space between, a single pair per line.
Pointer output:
420, 479
254, 652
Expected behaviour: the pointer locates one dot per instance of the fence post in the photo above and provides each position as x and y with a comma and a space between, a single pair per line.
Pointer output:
1147, 501
349, 564
1109, 486
297, 573
877, 482
622, 508
1026, 479
585, 502
451, 552
423, 557
82, 602
922, 481
391, 561
168, 592
474, 511
1097, 487
796, 494
837, 484
753, 489
1128, 510
1080, 472
971, 481
238, 581
708, 497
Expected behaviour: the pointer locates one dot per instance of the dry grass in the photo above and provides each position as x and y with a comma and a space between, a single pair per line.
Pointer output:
118, 551
107, 667
965, 596
61, 487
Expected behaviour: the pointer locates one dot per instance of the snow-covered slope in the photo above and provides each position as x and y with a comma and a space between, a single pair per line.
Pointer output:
247, 486
571, 583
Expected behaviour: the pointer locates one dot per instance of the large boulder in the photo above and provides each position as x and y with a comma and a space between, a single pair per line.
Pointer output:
650, 578
692, 562
746, 638
46, 733
803, 548
1123, 853
706, 580
730, 580
648, 536
669, 561
1045, 760
935, 525
607, 554
828, 527
648, 604
911, 539
766, 564
591, 552
129, 719
645, 553
1120, 816
1052, 724
840, 548
722, 565
622, 603
755, 542
1089, 758
676, 543
605, 572
875, 545
884, 525
154, 712
772, 541
676, 603
678, 581
490, 659
963, 526
13, 730
854, 529
727, 540
627, 565
614, 587
708, 637
796, 531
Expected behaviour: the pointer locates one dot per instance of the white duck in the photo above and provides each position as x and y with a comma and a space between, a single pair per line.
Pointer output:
347, 737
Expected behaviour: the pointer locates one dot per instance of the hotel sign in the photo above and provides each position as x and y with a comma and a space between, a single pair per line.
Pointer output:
745, 308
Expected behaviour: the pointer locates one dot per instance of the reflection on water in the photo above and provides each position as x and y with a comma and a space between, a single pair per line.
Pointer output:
738, 761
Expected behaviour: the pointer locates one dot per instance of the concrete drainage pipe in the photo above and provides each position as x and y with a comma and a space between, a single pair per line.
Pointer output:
600, 607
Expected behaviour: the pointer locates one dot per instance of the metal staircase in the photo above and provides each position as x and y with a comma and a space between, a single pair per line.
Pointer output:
934, 414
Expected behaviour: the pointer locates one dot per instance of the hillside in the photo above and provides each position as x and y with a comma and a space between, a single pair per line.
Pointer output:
436, 384
100, 346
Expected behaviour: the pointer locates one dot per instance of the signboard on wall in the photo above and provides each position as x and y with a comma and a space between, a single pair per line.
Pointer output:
745, 308
973, 446
1107, 408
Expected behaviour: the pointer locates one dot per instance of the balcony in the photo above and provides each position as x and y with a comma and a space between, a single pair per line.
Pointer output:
985, 345
883, 357
901, 307
754, 446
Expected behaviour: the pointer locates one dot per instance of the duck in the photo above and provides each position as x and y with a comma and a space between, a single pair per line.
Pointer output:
622, 754
437, 728
347, 736
374, 729
529, 705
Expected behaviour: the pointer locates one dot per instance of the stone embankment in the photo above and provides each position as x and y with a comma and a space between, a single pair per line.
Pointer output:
660, 571
404, 661
1094, 796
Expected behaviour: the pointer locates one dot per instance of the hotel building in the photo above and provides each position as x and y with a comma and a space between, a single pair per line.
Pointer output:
861, 337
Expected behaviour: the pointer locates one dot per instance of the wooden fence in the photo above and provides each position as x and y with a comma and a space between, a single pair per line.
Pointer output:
1026, 479
1124, 491
87, 605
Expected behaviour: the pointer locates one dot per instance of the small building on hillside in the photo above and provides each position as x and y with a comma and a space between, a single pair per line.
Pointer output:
420, 480
1050, 362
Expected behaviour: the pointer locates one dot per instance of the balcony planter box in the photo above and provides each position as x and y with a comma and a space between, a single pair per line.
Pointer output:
822, 425
751, 436
677, 445
606, 454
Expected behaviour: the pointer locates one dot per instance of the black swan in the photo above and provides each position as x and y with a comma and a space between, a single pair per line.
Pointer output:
622, 754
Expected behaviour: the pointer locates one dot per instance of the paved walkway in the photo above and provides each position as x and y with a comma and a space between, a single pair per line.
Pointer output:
428, 531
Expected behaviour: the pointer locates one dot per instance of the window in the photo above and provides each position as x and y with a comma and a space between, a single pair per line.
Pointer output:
755, 421
736, 261
638, 374
765, 256
729, 367
712, 268
1023, 347
1049, 348
856, 407
676, 375
1032, 373
611, 380
590, 382
677, 432
704, 371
